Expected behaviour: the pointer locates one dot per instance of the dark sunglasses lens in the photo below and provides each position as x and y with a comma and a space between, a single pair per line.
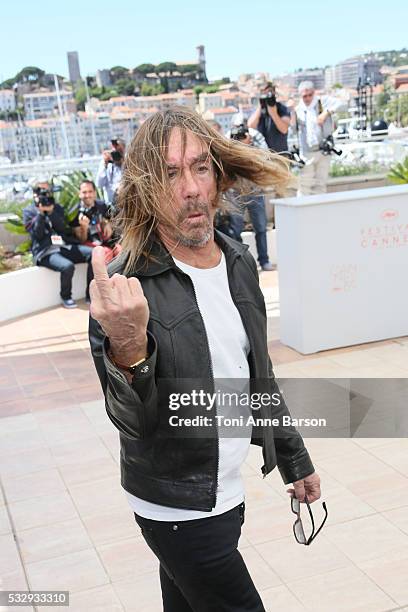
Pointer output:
299, 533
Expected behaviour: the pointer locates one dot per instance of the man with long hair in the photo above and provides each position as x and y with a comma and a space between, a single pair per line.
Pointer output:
182, 304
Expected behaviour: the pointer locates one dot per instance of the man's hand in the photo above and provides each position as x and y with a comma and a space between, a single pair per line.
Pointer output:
107, 157
83, 221
282, 123
106, 229
309, 486
120, 307
322, 117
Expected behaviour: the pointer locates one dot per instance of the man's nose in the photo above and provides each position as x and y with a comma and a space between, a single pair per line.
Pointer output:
189, 185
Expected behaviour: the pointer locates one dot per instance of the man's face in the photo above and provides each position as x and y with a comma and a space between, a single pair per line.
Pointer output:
307, 96
87, 194
193, 188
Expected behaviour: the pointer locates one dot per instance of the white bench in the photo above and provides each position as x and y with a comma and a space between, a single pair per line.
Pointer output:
32, 289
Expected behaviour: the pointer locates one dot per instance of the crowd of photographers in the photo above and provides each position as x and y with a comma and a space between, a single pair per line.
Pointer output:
312, 126
59, 244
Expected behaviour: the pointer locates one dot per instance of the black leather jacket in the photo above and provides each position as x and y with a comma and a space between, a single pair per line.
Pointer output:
179, 471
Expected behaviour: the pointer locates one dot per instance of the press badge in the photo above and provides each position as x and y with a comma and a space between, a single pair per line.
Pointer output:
57, 240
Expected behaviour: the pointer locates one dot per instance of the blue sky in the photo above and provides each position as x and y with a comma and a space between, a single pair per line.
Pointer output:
239, 36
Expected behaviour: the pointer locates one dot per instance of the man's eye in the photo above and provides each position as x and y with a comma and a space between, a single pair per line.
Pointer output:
172, 174
203, 168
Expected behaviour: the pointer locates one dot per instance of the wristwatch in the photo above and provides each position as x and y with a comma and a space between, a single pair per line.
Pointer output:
130, 368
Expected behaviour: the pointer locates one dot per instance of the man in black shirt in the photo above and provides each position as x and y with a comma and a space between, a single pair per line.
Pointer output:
52, 242
272, 119
91, 225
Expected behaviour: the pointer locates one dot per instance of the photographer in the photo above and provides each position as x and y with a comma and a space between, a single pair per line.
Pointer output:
314, 125
53, 244
91, 224
110, 169
271, 119
254, 202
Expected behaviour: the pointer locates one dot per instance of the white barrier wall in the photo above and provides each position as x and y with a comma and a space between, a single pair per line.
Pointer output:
249, 239
343, 268
36, 288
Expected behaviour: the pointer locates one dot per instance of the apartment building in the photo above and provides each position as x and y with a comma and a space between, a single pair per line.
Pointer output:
222, 115
7, 100
44, 104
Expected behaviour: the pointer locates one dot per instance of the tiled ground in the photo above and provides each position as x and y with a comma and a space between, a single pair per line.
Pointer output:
64, 522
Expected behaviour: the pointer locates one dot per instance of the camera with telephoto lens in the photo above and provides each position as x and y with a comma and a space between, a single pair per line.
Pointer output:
294, 155
44, 196
327, 147
267, 99
239, 132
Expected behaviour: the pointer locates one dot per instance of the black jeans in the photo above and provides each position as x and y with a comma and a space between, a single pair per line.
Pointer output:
65, 261
201, 569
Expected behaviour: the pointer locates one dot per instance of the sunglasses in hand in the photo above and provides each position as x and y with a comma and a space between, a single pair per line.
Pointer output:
298, 528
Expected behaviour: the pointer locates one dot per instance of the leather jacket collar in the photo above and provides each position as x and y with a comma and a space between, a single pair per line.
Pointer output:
159, 259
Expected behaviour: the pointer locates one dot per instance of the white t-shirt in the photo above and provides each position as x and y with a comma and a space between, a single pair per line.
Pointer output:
229, 348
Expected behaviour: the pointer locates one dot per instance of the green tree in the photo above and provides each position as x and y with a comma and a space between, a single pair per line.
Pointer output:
166, 67
80, 98
211, 88
108, 94
29, 74
119, 72
188, 68
9, 115
125, 87
145, 68
164, 82
8, 84
223, 81
151, 90
397, 110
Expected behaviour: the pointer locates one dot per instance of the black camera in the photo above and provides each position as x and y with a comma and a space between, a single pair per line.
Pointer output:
116, 155
294, 156
239, 132
327, 147
44, 196
84, 210
267, 99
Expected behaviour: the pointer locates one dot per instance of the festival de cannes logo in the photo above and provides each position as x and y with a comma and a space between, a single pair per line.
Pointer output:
389, 232
389, 214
